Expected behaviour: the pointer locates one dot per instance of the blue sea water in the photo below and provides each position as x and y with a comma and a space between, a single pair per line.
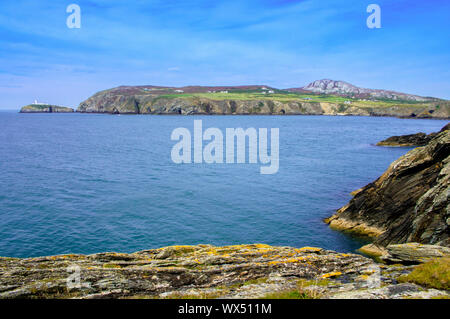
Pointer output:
86, 183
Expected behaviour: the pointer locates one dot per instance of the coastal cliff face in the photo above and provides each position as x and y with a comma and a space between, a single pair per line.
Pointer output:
205, 271
189, 106
408, 203
250, 100
45, 108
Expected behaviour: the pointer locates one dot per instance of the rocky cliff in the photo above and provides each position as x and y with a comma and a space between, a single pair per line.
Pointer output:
204, 271
45, 108
408, 203
250, 100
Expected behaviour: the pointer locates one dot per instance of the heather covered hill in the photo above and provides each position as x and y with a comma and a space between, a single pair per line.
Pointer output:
318, 98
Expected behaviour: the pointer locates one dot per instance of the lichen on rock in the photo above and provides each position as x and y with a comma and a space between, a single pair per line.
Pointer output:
202, 271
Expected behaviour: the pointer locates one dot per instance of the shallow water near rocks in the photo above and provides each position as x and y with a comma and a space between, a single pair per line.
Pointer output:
86, 183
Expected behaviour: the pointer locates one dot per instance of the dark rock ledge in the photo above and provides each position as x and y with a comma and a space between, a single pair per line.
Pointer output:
418, 139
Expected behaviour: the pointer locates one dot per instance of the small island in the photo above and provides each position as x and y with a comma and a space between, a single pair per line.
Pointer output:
45, 108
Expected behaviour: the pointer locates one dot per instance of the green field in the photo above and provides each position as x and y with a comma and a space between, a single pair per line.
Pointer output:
289, 97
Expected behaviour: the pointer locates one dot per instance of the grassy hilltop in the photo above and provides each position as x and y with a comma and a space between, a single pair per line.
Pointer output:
260, 100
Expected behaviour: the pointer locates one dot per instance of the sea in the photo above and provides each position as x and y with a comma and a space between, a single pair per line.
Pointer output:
88, 183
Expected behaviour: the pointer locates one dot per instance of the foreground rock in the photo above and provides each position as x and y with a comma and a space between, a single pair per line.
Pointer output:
45, 108
414, 253
203, 271
408, 203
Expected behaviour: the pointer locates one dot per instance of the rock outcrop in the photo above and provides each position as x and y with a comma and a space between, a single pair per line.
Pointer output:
413, 253
408, 203
418, 139
204, 271
327, 86
445, 128
45, 108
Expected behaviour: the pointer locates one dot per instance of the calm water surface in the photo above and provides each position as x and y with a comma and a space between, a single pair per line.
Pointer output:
80, 183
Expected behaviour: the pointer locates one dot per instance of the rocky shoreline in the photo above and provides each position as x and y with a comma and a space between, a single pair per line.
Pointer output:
408, 203
111, 103
205, 271
418, 139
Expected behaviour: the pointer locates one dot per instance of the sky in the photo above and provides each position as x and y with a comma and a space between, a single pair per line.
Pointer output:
280, 43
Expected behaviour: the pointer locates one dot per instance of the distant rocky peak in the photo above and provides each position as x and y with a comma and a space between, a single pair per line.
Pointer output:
327, 86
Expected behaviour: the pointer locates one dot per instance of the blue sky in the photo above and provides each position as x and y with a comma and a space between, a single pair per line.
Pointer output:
281, 43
